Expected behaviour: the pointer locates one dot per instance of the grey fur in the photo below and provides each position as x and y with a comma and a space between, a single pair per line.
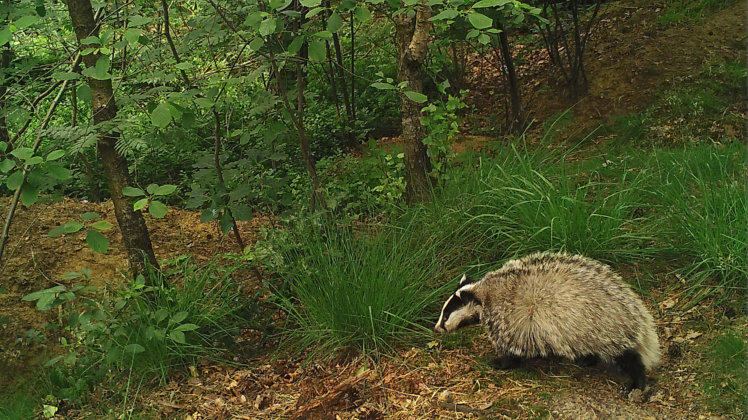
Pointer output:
556, 304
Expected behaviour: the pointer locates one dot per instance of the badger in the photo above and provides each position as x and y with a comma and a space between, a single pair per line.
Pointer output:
557, 305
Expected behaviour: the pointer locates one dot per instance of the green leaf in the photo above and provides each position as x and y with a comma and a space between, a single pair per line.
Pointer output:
178, 317
334, 22
267, 26
382, 86
314, 12
84, 92
317, 51
140, 204
22, 153
132, 192
226, 222
7, 165
161, 115
151, 188
362, 14
157, 209
66, 75
254, 45
90, 215
39, 293
165, 189
72, 227
34, 160
134, 348
25, 21
133, 34
56, 232
205, 102
479, 21
29, 195
416, 97
311, 3
55, 154
177, 336
102, 225
5, 36
97, 241
70, 275
186, 327
14, 180
58, 171
183, 66
445, 14
241, 212
101, 70
490, 3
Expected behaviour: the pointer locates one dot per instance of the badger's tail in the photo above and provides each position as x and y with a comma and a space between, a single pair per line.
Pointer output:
648, 345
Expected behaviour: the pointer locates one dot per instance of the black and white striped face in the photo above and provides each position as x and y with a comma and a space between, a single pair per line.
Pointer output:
462, 309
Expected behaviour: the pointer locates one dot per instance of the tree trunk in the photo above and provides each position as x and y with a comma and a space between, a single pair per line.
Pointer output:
134, 231
517, 121
412, 37
5, 58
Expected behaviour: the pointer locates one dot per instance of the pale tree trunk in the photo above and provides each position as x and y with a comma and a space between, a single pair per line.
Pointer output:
412, 38
134, 231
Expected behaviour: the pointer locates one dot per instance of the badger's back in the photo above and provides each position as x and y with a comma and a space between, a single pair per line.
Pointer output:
566, 305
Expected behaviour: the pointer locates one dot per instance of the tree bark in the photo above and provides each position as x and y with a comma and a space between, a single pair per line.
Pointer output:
517, 122
134, 230
5, 57
412, 37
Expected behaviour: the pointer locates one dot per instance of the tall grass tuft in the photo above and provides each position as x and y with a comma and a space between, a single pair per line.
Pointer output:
361, 291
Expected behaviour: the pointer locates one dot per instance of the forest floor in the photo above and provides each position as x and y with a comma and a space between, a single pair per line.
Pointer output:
628, 63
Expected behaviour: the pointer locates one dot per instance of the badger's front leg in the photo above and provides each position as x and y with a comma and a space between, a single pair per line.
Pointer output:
507, 361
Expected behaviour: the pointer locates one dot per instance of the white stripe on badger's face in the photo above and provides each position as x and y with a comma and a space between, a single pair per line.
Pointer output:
460, 309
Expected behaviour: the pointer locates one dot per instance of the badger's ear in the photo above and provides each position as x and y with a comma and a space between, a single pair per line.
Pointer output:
464, 280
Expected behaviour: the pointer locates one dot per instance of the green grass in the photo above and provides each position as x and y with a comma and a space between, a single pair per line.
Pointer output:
360, 290
724, 386
681, 11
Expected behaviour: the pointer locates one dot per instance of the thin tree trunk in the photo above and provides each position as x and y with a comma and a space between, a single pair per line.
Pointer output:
517, 121
353, 78
5, 57
344, 89
333, 82
132, 225
412, 37
219, 172
306, 153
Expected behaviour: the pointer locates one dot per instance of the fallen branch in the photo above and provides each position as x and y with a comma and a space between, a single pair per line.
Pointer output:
332, 396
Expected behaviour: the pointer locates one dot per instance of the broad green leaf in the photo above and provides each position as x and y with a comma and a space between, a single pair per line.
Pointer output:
7, 165
314, 12
296, 44
102, 225
382, 86
72, 227
161, 115
133, 34
186, 327
55, 154
416, 97
101, 70
14, 180
22, 152
311, 3
323, 34
39, 293
134, 348
445, 14
140, 204
25, 21
165, 189
254, 45
334, 22
66, 75
58, 171
29, 195
70, 275
151, 188
56, 232
3, 146
34, 160
5, 36
177, 336
90, 215
209, 214
84, 92
226, 222
362, 14
490, 3
132, 192
97, 241
317, 50
205, 102
157, 209
267, 26
479, 21
241, 212
178, 317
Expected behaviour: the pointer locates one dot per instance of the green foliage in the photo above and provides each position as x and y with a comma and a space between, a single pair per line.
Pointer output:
682, 11
94, 238
363, 291
139, 328
148, 198
724, 385
442, 123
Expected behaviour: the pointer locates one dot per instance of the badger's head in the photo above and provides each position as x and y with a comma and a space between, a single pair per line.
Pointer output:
461, 309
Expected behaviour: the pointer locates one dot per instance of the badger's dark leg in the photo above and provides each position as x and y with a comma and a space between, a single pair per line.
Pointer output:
587, 360
631, 364
507, 362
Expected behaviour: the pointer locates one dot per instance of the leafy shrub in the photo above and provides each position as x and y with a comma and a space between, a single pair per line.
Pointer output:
142, 328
